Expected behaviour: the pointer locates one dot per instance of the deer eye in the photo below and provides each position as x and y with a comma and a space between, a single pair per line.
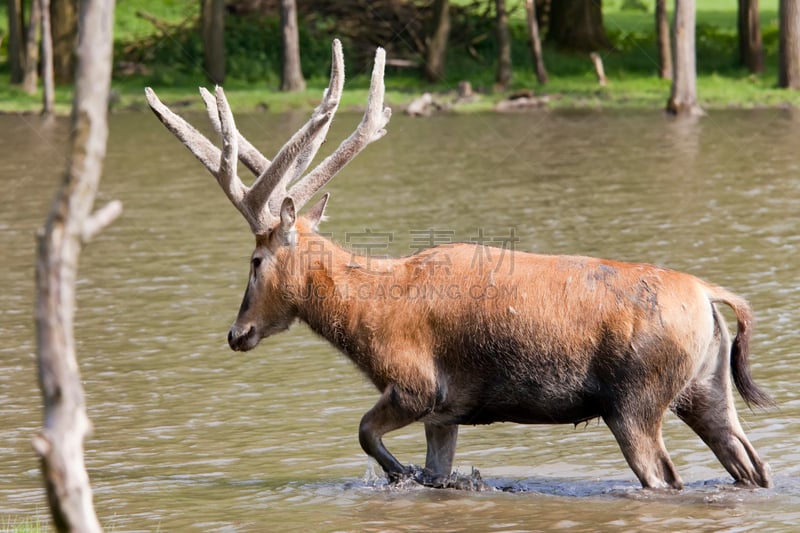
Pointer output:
256, 262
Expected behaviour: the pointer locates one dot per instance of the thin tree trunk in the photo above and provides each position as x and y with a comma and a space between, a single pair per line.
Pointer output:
213, 28
69, 225
32, 49
504, 71
683, 97
536, 43
751, 49
437, 45
662, 36
48, 81
16, 49
789, 44
291, 74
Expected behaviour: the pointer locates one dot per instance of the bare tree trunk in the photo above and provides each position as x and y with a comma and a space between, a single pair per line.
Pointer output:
291, 74
536, 43
213, 29
504, 72
69, 225
683, 97
662, 36
577, 25
48, 81
32, 48
64, 27
751, 49
16, 50
437, 44
789, 44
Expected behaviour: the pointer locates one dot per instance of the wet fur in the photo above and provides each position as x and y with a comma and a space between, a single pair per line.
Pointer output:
562, 340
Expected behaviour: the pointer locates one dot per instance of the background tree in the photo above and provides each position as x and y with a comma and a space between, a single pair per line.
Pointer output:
71, 224
577, 25
789, 44
683, 96
536, 43
212, 21
48, 79
291, 74
437, 42
64, 28
663, 40
32, 48
751, 49
16, 48
504, 71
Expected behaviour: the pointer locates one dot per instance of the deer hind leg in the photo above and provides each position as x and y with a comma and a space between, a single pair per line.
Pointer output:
395, 409
441, 451
712, 415
707, 406
641, 444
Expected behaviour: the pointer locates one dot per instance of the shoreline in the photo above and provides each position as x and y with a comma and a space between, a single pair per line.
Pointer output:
407, 103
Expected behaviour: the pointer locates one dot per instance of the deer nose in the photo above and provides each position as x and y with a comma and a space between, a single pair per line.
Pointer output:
240, 341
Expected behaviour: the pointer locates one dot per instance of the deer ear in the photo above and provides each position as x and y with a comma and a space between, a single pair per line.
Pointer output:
317, 212
288, 214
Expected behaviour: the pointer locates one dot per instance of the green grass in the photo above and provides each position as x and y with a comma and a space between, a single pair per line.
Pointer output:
11, 524
129, 27
174, 63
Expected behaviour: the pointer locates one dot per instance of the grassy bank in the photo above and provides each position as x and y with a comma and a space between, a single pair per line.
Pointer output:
171, 63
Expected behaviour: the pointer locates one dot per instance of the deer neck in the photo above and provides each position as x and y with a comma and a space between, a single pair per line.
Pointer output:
333, 295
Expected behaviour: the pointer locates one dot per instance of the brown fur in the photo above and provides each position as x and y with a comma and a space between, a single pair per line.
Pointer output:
449, 339
464, 334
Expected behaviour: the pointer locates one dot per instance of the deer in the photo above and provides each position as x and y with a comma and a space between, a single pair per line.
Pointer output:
448, 342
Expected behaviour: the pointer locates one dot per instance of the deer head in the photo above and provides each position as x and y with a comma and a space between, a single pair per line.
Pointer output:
270, 205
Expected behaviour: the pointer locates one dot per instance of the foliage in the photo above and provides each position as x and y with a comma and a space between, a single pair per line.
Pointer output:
169, 56
634, 5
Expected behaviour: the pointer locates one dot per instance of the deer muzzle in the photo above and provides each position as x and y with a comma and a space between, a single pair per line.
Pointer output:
242, 339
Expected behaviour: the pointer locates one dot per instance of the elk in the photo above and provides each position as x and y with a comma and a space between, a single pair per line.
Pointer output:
448, 341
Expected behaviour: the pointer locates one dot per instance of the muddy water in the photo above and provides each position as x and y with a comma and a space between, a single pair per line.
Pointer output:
190, 436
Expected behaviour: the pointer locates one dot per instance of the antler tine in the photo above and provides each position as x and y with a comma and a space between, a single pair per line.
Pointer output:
200, 146
337, 82
234, 189
248, 154
371, 128
271, 185
220, 163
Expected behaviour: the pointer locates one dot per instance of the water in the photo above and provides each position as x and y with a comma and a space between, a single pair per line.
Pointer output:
190, 436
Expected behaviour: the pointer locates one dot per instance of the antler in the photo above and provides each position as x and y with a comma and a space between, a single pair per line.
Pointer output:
260, 203
371, 128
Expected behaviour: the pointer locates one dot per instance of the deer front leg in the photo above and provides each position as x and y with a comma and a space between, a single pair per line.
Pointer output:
441, 451
395, 409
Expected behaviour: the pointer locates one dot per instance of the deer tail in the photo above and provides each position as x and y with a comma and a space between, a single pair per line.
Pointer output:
740, 347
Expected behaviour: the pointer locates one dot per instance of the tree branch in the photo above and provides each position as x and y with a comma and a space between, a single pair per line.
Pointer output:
100, 220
